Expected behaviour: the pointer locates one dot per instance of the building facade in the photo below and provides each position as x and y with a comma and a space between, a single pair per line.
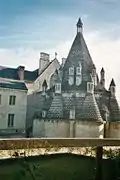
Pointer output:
77, 103
13, 105
16, 87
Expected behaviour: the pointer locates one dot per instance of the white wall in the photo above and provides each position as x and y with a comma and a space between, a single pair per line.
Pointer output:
30, 87
112, 130
43, 128
46, 75
89, 129
19, 109
67, 129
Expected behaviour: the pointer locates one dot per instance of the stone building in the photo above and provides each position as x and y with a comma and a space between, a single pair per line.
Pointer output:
13, 106
16, 86
76, 103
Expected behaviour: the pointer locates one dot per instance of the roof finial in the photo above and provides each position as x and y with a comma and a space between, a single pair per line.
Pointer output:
79, 25
55, 55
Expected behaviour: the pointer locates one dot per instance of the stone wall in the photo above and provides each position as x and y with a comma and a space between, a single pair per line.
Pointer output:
59, 129
89, 129
112, 130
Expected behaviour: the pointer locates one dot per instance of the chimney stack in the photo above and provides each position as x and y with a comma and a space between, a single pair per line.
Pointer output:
44, 61
21, 72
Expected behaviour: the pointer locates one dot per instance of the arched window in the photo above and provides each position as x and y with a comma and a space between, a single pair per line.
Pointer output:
43, 114
90, 87
71, 71
71, 80
79, 70
72, 114
58, 88
78, 80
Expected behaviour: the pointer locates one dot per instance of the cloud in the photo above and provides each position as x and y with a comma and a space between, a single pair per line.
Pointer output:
104, 52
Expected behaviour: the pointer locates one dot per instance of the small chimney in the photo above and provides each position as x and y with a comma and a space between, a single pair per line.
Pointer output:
21, 72
44, 61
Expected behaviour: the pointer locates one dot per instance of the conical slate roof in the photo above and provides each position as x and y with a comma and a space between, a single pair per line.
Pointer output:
114, 110
112, 83
79, 23
56, 108
90, 109
102, 70
79, 52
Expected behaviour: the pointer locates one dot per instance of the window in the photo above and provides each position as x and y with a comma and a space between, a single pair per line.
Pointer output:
12, 100
90, 87
72, 114
58, 88
78, 80
11, 120
43, 114
0, 98
71, 80
79, 70
71, 71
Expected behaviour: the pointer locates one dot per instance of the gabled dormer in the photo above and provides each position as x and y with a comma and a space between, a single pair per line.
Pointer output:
57, 83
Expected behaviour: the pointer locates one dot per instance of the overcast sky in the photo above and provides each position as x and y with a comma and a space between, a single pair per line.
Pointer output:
28, 27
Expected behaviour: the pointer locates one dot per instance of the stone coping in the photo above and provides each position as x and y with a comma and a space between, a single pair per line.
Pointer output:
27, 143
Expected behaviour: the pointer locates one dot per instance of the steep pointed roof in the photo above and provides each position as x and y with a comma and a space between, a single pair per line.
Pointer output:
102, 70
79, 52
79, 23
56, 108
112, 83
114, 110
90, 109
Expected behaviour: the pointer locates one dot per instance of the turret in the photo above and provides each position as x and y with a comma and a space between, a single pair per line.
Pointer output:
102, 79
94, 75
112, 87
79, 26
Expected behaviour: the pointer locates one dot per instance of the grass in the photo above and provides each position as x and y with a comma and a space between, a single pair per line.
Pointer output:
54, 167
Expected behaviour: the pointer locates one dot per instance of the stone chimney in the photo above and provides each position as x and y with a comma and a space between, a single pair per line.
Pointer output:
21, 72
44, 61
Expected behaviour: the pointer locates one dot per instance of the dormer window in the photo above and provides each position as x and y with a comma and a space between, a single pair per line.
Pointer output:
78, 80
78, 70
90, 87
58, 88
71, 80
72, 114
71, 71
43, 114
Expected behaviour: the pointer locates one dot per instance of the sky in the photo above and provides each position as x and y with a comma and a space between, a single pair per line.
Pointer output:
28, 27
